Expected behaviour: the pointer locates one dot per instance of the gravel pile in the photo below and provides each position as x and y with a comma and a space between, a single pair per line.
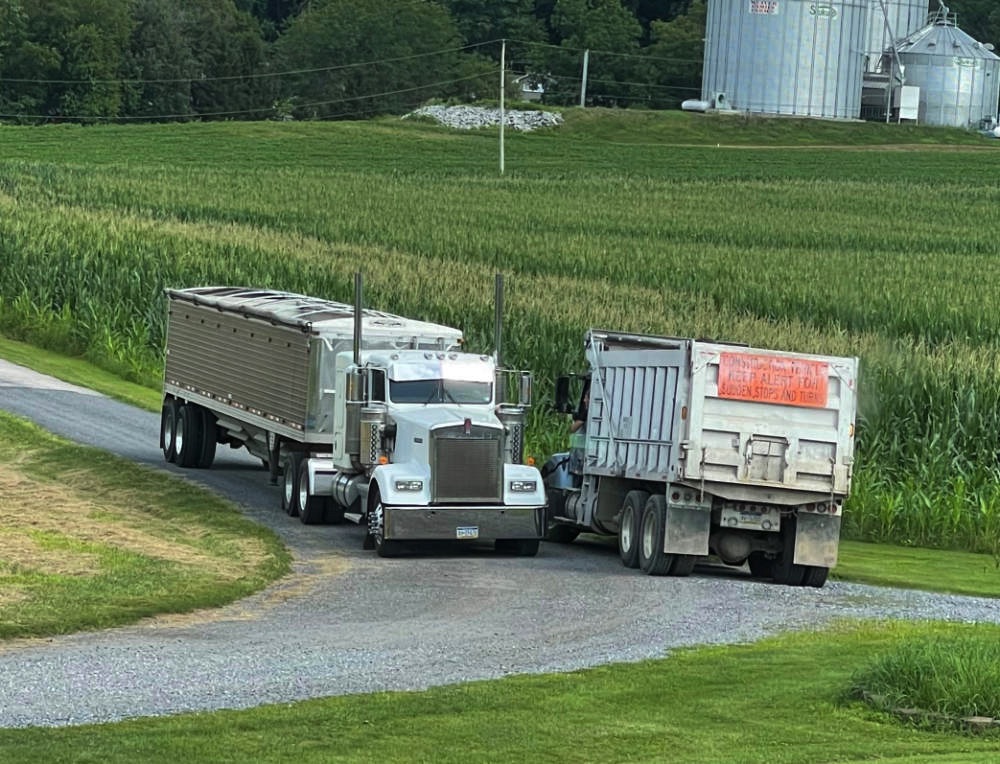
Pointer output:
474, 117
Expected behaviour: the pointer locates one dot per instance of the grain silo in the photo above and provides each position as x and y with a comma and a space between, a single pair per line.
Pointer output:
792, 57
958, 77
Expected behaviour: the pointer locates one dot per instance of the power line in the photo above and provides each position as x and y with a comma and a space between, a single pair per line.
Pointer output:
232, 77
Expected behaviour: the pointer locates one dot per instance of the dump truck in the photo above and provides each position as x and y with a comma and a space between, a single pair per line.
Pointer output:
693, 449
364, 416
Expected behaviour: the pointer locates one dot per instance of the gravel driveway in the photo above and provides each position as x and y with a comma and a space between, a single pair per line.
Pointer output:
347, 622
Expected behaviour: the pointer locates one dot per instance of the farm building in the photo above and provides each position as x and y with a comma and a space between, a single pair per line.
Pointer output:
847, 59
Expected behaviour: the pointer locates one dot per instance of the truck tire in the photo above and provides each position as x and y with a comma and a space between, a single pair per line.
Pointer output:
683, 564
629, 526
518, 547
290, 484
652, 560
761, 566
815, 576
786, 572
559, 533
206, 455
188, 435
333, 513
312, 509
168, 430
376, 520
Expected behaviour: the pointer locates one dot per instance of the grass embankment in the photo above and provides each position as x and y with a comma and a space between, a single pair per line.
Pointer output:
88, 540
780, 701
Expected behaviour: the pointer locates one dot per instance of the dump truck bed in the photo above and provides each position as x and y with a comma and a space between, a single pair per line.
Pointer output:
741, 423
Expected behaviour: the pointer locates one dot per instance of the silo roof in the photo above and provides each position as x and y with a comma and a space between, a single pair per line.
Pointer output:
941, 37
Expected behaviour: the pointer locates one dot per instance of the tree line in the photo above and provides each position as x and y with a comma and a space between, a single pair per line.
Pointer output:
162, 60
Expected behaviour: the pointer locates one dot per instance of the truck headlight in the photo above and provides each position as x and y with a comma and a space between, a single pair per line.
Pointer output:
409, 485
523, 486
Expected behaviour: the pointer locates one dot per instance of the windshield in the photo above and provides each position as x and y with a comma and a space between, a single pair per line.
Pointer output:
440, 391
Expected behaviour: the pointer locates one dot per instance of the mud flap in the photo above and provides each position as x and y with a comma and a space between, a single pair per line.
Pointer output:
816, 539
686, 530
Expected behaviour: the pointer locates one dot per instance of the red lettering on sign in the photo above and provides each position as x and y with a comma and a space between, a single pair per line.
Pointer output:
771, 379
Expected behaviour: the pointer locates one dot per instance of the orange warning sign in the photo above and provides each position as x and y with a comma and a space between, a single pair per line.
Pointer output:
770, 379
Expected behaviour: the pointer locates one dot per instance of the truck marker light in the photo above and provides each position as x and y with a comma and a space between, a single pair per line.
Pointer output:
383, 459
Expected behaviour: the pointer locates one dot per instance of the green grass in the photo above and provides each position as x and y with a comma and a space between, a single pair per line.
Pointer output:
89, 540
946, 677
779, 701
77, 371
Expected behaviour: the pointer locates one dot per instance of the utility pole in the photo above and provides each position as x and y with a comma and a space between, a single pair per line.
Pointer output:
503, 84
583, 79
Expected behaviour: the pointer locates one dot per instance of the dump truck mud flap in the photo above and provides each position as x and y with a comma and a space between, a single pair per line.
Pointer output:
816, 539
462, 523
686, 531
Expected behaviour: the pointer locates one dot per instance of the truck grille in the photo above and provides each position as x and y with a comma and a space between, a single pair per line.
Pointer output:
466, 467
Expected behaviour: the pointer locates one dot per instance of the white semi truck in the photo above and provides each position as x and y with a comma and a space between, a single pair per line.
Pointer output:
364, 415
693, 448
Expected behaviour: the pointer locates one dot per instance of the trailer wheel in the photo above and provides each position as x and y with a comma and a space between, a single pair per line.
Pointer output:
376, 528
289, 484
815, 576
311, 508
628, 527
206, 454
168, 430
761, 566
785, 570
188, 435
652, 559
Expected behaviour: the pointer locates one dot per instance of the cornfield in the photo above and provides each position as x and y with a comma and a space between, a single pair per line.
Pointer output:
886, 254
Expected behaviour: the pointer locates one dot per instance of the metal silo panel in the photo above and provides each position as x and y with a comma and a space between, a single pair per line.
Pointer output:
904, 18
792, 57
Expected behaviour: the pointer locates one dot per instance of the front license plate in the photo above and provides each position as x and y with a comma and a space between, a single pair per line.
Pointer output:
471, 532
754, 518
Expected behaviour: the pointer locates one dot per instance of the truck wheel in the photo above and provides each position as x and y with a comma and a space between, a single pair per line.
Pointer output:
290, 484
188, 436
815, 576
683, 564
312, 509
206, 454
333, 513
561, 534
168, 430
628, 527
652, 559
376, 528
785, 570
519, 547
761, 566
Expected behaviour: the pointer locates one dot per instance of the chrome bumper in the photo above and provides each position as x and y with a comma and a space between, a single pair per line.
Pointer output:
462, 523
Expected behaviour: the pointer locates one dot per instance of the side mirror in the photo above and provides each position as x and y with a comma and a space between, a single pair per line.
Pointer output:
563, 405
